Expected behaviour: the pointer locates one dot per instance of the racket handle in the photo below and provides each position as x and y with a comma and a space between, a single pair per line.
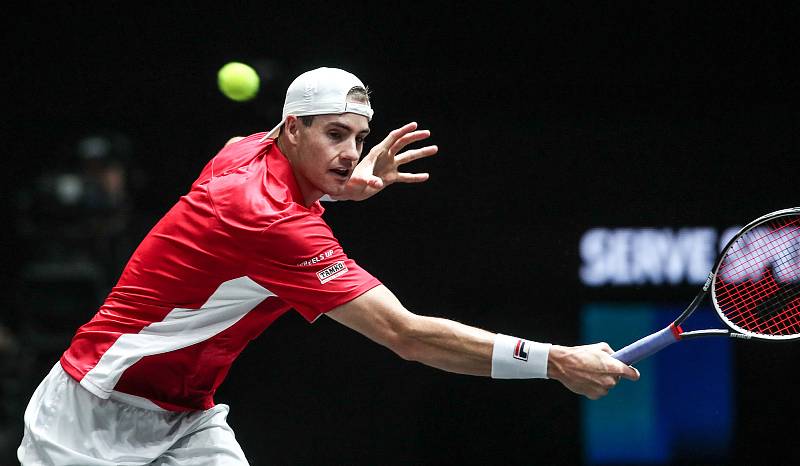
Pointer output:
648, 345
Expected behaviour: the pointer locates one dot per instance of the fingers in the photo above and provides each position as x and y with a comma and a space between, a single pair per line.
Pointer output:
392, 137
403, 136
595, 372
368, 180
414, 154
597, 395
603, 385
628, 372
407, 139
620, 369
412, 177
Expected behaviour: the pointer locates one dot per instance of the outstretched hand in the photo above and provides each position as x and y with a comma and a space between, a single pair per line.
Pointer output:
381, 166
588, 370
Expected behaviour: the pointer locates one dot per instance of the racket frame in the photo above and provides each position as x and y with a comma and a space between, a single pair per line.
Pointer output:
673, 333
738, 332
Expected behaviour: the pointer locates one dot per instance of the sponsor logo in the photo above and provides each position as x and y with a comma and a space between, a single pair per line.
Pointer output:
521, 350
325, 255
329, 273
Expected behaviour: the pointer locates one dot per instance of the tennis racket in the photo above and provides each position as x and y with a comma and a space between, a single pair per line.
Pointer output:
754, 287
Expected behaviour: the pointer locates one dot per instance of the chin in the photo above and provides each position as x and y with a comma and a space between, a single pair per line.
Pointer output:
336, 188
334, 191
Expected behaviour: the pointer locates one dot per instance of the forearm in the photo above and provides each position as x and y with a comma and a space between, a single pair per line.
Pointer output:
449, 345
455, 347
439, 343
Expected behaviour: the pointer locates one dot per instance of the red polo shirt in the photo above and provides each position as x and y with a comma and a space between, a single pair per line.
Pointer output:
229, 258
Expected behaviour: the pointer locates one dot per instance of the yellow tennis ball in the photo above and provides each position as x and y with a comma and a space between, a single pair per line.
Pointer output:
238, 81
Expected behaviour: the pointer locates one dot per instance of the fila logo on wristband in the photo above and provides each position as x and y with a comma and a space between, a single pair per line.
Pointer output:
521, 350
515, 358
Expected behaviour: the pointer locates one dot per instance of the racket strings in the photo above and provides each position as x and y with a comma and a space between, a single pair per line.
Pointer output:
754, 295
780, 320
778, 317
757, 286
765, 306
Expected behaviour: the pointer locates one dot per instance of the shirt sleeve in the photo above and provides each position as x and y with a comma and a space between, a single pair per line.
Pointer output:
300, 260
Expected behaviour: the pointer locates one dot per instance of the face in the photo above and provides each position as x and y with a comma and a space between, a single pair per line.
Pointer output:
324, 154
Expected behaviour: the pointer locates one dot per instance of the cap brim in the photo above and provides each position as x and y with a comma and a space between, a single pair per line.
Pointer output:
273, 133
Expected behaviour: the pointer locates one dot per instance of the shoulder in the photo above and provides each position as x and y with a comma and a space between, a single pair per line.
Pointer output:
239, 151
243, 199
234, 139
245, 191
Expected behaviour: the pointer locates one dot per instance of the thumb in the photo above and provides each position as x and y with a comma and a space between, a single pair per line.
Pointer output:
631, 373
375, 182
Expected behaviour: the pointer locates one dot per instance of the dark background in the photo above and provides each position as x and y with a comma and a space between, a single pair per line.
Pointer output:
551, 119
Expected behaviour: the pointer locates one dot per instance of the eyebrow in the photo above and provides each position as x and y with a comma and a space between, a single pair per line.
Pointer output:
346, 127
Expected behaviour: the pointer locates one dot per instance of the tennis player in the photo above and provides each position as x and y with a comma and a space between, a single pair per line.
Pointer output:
246, 244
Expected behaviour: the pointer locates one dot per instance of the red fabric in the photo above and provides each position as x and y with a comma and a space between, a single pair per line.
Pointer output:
240, 219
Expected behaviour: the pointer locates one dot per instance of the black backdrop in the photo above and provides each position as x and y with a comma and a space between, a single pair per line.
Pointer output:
550, 119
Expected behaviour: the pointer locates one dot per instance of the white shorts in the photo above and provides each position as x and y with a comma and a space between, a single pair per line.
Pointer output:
67, 425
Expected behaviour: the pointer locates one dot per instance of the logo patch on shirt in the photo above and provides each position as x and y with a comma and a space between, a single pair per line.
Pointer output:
329, 273
521, 350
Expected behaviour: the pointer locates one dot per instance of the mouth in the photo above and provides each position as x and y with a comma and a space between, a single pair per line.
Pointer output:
343, 173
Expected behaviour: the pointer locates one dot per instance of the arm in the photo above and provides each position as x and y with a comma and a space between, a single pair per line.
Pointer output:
440, 343
454, 347
380, 167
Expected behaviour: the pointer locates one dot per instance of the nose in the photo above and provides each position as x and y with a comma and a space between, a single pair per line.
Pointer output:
350, 151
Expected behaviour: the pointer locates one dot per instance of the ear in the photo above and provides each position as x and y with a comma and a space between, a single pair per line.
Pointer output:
291, 129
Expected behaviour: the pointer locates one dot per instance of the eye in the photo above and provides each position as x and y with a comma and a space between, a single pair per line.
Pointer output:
360, 139
334, 135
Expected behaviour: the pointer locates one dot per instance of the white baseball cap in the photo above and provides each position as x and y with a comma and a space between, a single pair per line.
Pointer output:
322, 91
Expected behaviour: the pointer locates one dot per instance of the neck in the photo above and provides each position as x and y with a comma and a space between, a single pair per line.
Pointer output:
310, 195
280, 145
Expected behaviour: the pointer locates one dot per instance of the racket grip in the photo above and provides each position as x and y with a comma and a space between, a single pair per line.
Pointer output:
648, 345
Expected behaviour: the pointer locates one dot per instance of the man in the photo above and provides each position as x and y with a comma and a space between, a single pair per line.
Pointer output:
245, 245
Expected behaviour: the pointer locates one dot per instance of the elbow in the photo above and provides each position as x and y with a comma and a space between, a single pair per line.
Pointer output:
406, 351
405, 340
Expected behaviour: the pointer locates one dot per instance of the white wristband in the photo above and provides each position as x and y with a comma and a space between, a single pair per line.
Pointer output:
515, 358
